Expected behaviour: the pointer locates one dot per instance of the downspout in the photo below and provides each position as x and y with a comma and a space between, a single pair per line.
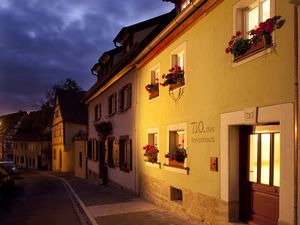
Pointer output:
296, 103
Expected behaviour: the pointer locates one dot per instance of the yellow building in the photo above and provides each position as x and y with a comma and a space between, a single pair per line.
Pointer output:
232, 115
69, 119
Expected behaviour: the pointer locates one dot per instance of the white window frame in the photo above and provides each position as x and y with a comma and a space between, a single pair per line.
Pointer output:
239, 9
239, 24
179, 51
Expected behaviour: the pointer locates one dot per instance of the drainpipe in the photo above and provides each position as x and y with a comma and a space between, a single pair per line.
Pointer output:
296, 104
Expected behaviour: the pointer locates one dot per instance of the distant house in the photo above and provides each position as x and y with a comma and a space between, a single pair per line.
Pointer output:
32, 141
112, 100
69, 118
8, 127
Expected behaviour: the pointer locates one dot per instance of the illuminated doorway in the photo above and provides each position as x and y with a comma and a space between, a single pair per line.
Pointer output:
259, 174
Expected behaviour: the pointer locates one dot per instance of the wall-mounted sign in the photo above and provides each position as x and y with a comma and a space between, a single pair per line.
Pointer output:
250, 115
202, 133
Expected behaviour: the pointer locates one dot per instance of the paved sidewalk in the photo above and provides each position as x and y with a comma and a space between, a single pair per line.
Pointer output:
109, 206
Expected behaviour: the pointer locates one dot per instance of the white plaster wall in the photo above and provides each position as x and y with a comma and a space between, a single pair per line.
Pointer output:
123, 124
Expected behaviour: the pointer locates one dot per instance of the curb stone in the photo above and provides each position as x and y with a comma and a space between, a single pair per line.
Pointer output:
80, 206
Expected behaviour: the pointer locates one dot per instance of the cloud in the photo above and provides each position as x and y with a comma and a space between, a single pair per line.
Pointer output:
43, 42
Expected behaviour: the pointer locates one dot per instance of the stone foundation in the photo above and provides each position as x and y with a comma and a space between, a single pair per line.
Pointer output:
195, 206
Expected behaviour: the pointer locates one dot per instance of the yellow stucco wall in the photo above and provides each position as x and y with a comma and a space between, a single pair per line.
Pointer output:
214, 85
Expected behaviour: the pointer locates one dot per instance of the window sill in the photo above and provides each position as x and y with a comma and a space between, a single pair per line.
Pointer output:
181, 170
154, 165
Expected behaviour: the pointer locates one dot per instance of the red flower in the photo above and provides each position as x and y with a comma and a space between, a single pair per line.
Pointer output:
258, 31
269, 29
238, 33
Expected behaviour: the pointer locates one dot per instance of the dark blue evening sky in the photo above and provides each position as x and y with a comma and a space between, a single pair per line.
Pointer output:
45, 41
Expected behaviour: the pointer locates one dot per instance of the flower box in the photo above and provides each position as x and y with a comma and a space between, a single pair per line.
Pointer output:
255, 48
260, 39
175, 163
179, 83
174, 79
154, 94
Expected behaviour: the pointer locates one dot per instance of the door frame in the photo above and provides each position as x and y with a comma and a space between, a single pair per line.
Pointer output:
229, 155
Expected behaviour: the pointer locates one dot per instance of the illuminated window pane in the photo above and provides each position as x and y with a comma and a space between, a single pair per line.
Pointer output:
265, 158
156, 139
266, 10
252, 18
180, 138
253, 158
180, 60
276, 160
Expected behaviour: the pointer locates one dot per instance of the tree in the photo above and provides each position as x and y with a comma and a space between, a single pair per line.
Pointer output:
48, 102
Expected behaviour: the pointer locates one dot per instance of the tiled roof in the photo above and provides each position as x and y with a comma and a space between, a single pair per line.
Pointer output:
8, 122
35, 127
160, 21
72, 110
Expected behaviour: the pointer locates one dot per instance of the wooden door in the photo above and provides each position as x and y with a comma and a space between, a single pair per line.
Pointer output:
260, 175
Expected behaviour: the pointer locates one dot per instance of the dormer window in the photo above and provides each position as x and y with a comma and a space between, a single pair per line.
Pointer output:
184, 4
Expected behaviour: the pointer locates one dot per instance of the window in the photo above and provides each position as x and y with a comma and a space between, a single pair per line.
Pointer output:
125, 153
184, 4
248, 14
92, 149
112, 104
177, 142
154, 81
176, 194
110, 151
178, 58
176, 138
54, 154
97, 112
125, 98
80, 159
89, 149
22, 159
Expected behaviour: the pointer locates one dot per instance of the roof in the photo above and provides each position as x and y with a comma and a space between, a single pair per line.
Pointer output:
72, 110
34, 127
9, 121
161, 21
143, 25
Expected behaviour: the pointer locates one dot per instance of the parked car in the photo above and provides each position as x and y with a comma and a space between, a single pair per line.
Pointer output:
6, 177
10, 165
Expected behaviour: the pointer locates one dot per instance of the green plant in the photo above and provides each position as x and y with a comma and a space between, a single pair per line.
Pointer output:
178, 154
176, 74
152, 87
104, 128
151, 152
238, 45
